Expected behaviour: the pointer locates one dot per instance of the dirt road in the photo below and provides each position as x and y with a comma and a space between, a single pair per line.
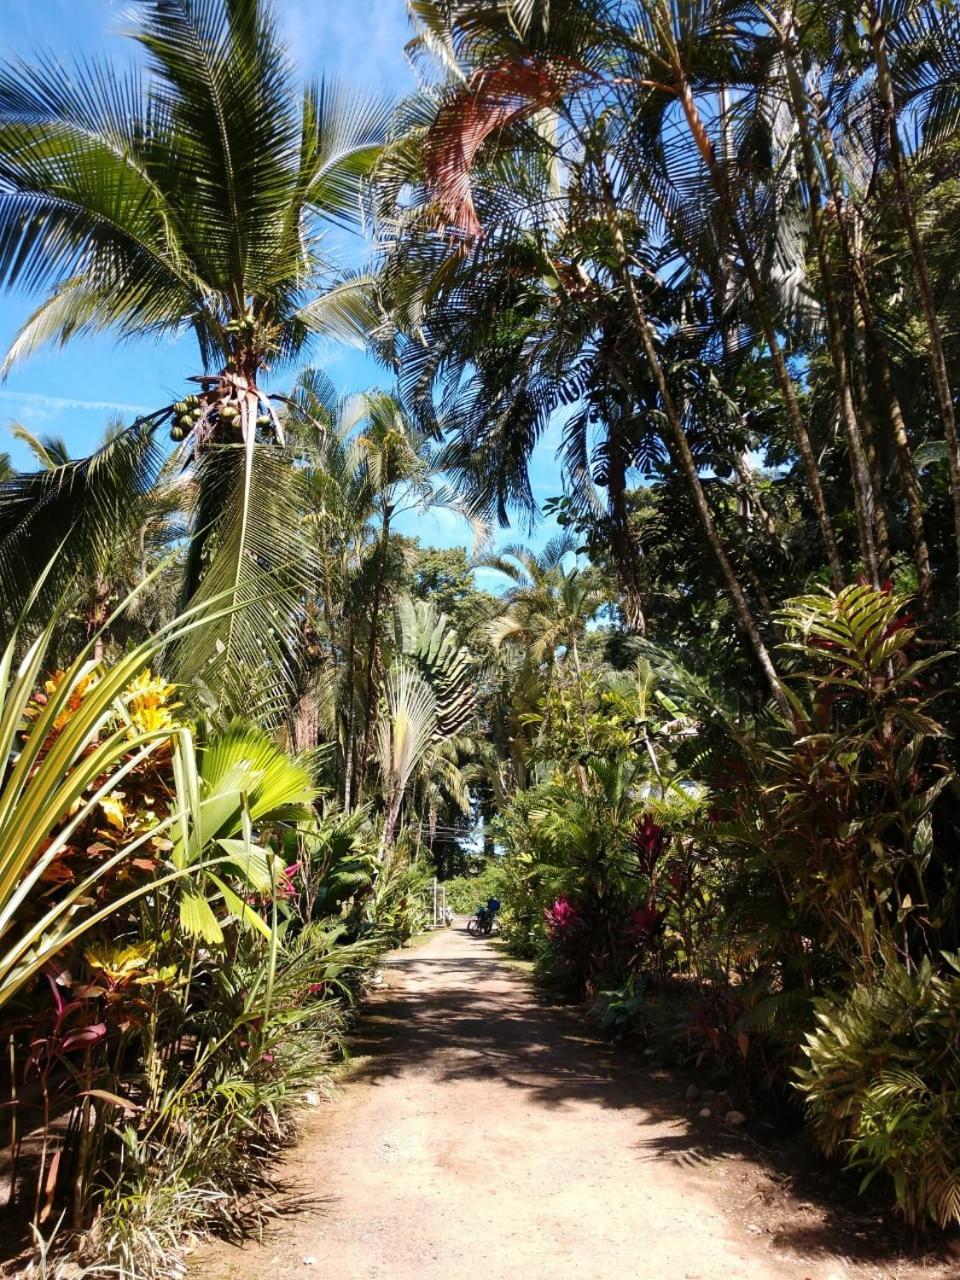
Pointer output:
479, 1133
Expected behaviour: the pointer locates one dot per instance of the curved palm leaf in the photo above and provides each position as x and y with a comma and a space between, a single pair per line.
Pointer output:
83, 507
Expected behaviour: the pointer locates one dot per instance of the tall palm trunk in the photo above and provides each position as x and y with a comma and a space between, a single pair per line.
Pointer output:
390, 822
685, 456
938, 360
868, 429
864, 497
879, 361
371, 683
785, 382
578, 672
749, 503
349, 747
625, 546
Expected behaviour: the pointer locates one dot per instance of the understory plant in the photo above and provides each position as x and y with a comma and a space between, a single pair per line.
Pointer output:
881, 1082
185, 933
773, 892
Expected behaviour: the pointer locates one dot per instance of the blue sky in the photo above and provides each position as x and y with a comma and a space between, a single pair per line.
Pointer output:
75, 390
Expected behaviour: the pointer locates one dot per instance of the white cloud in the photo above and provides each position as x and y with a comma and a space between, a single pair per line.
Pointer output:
55, 404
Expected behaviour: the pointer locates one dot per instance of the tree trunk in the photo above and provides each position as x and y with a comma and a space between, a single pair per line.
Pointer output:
864, 497
348, 749
869, 433
688, 463
390, 823
625, 546
97, 616
938, 360
372, 649
784, 380
879, 365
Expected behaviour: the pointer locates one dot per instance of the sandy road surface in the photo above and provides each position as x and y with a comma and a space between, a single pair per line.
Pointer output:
481, 1134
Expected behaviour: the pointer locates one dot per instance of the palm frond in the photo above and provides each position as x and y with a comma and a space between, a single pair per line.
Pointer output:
247, 543
83, 507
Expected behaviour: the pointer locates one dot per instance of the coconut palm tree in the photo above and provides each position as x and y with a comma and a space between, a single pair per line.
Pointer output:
193, 196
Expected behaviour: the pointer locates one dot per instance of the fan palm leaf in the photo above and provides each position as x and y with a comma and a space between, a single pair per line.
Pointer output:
407, 725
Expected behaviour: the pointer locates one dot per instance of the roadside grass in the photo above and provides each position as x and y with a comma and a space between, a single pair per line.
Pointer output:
507, 958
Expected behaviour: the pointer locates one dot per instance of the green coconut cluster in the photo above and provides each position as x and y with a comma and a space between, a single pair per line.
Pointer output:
186, 414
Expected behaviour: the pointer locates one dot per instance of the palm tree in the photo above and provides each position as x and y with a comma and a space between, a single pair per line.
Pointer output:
719, 182
539, 85
364, 464
121, 526
928, 83
548, 607
193, 196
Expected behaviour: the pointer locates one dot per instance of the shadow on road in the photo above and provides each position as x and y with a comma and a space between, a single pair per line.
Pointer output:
472, 1017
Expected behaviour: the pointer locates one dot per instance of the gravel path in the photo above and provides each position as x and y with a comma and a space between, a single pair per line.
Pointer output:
479, 1133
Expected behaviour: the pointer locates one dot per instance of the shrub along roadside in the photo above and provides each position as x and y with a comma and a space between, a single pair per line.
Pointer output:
775, 892
185, 935
465, 893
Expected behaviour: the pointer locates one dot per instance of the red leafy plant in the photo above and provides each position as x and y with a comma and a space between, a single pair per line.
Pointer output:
648, 840
644, 923
562, 918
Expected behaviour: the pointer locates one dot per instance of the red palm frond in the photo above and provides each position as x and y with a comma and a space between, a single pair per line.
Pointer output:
494, 96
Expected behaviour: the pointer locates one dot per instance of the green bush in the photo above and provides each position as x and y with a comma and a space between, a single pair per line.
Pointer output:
465, 893
399, 905
883, 1084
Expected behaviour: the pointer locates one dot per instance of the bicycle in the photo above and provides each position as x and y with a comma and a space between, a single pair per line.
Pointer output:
483, 924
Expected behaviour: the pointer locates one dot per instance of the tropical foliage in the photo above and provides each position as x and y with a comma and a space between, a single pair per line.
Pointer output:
694, 239
700, 740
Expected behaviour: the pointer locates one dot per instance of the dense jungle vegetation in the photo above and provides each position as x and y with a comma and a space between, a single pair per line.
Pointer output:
701, 742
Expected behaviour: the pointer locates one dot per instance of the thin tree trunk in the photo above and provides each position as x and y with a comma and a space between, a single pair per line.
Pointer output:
869, 433
784, 380
97, 616
748, 499
351, 719
938, 360
84, 1137
864, 498
910, 481
687, 461
879, 363
371, 690
575, 654
390, 823
625, 546
760, 594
